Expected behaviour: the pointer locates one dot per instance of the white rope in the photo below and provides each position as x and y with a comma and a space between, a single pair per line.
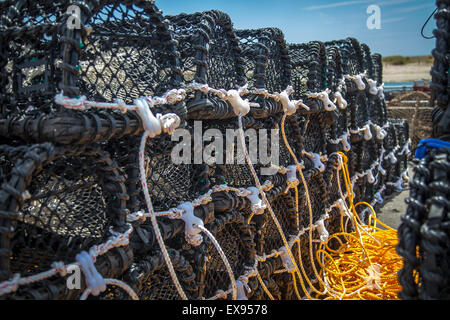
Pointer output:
114, 282
117, 240
148, 201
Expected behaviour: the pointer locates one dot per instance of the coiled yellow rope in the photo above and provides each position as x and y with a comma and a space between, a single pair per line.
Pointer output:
364, 265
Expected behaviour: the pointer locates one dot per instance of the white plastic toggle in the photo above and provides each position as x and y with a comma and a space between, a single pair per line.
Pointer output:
289, 107
367, 132
286, 259
258, 205
191, 232
240, 106
378, 198
291, 173
405, 177
324, 235
324, 96
370, 177
373, 90
151, 124
381, 169
391, 156
381, 133
94, 280
359, 82
341, 102
399, 185
318, 164
240, 291
381, 92
345, 143
343, 208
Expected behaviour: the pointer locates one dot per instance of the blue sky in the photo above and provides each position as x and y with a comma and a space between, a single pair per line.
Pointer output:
324, 20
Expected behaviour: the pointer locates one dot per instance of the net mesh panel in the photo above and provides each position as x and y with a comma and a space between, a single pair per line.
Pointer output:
254, 53
224, 66
75, 197
302, 247
312, 131
169, 184
215, 41
67, 212
236, 240
368, 64
30, 53
334, 75
156, 284
308, 72
316, 188
378, 68
124, 57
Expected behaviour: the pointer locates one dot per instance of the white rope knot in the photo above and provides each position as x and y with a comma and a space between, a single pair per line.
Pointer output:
343, 210
175, 96
381, 91
94, 281
317, 160
169, 122
405, 149
339, 99
75, 104
60, 267
324, 96
122, 105
381, 169
192, 231
381, 133
258, 205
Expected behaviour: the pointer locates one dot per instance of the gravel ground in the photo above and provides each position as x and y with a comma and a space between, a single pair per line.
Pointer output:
395, 206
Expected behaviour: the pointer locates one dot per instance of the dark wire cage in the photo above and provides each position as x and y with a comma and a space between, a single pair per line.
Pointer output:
69, 178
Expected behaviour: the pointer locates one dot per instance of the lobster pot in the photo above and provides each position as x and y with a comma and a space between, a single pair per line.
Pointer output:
266, 270
403, 140
423, 233
70, 201
127, 53
267, 64
335, 74
210, 51
439, 72
308, 73
236, 240
390, 142
30, 51
151, 279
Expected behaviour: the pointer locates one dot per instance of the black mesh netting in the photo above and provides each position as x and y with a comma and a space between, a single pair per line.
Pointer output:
70, 179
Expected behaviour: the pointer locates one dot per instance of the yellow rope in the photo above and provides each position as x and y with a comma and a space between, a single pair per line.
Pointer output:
364, 265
